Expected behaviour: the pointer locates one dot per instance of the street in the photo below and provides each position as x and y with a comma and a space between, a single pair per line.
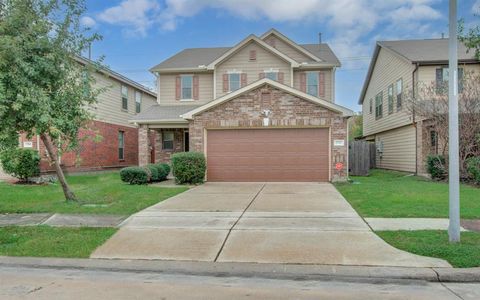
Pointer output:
38, 283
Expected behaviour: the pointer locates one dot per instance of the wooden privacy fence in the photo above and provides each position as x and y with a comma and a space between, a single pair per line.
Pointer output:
361, 157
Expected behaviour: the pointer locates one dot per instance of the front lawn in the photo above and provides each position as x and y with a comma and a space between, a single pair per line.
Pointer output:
434, 243
391, 194
102, 193
45, 241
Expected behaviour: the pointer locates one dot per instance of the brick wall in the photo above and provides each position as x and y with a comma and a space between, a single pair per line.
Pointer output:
164, 155
287, 111
98, 148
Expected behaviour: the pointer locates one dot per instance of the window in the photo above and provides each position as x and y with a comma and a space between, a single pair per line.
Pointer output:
390, 99
186, 86
399, 94
371, 106
138, 101
233, 81
434, 141
121, 145
312, 83
441, 80
253, 55
124, 97
167, 140
273, 75
379, 105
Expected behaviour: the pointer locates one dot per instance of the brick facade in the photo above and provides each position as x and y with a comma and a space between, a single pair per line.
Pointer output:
287, 111
98, 149
178, 145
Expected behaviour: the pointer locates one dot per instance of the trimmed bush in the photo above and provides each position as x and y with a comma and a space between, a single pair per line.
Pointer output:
163, 170
436, 167
134, 175
21, 163
154, 172
189, 167
473, 168
166, 167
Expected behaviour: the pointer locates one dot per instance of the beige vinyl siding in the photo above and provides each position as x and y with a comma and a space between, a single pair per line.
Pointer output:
328, 81
109, 106
398, 149
166, 95
240, 61
388, 69
426, 74
287, 49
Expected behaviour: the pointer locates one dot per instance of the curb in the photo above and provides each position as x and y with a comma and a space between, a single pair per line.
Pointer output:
249, 270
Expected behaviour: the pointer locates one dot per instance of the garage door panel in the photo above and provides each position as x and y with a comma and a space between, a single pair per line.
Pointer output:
268, 155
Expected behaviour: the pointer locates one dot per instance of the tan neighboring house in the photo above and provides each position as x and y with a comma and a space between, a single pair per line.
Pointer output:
403, 143
110, 141
262, 110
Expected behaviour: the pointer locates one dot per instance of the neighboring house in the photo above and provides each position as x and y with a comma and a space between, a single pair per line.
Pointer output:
262, 110
110, 140
403, 143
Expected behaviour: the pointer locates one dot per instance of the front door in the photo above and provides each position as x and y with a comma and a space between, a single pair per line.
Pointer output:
186, 141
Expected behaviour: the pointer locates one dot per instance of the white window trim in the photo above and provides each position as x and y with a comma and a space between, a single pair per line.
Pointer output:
140, 102
173, 140
271, 70
234, 71
181, 89
317, 73
121, 96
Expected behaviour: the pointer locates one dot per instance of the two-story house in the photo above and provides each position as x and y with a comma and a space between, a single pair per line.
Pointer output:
262, 110
109, 141
396, 70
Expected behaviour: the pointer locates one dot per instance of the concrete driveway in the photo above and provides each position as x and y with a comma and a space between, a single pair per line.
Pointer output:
303, 223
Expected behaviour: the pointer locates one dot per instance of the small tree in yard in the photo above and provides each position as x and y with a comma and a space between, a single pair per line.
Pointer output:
44, 90
430, 102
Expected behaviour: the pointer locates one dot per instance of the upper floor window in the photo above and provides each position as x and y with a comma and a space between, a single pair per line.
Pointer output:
273, 75
186, 87
371, 106
312, 83
441, 80
138, 101
234, 81
379, 105
124, 97
399, 90
390, 99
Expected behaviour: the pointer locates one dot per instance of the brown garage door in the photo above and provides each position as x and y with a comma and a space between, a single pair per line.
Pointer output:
268, 155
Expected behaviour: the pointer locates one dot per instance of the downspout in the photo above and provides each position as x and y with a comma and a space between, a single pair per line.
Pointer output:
414, 91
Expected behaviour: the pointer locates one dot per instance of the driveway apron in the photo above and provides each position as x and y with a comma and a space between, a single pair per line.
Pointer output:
302, 223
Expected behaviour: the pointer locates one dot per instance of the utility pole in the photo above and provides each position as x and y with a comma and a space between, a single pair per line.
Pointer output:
453, 161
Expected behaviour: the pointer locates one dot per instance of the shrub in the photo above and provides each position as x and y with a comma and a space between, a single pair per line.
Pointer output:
436, 167
21, 163
473, 168
163, 170
154, 172
166, 167
134, 175
189, 167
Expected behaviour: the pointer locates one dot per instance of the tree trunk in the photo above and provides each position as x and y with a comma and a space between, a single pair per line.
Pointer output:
69, 195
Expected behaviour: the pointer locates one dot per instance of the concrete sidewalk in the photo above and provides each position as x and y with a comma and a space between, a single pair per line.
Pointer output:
295, 223
409, 224
64, 220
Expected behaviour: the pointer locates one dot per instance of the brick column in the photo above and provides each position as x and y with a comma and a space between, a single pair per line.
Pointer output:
143, 146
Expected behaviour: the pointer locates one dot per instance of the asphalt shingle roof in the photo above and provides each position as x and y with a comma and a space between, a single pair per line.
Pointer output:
194, 57
426, 50
164, 112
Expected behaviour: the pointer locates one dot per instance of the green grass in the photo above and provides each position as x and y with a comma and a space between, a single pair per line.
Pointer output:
434, 243
45, 241
105, 190
392, 194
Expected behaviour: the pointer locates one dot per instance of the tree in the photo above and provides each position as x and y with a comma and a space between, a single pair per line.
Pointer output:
355, 129
429, 102
44, 90
470, 37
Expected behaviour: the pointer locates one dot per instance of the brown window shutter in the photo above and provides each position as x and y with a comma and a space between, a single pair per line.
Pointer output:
321, 84
303, 82
253, 55
225, 82
177, 87
195, 87
261, 75
243, 79
281, 77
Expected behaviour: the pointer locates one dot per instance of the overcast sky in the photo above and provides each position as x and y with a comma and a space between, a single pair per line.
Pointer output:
138, 34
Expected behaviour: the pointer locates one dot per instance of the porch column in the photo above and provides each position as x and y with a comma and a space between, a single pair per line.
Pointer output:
143, 145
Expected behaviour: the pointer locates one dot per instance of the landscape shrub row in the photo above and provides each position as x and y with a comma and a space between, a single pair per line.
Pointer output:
437, 168
146, 174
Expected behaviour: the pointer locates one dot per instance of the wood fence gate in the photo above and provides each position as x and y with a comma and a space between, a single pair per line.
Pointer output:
361, 157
